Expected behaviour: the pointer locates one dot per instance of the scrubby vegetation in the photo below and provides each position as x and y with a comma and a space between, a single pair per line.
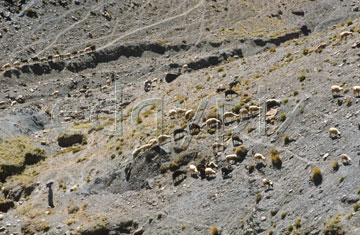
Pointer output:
316, 176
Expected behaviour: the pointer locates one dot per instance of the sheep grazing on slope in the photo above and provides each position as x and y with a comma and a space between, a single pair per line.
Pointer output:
16, 64
172, 113
270, 103
209, 171
334, 132
194, 128
356, 90
230, 115
230, 93
144, 147
212, 165
6, 67
212, 121
234, 83
193, 170
345, 34
267, 183
336, 89
180, 111
43, 59
56, 57
221, 88
152, 141
216, 146
258, 157
244, 113
162, 138
253, 109
346, 160
236, 141
189, 114
231, 157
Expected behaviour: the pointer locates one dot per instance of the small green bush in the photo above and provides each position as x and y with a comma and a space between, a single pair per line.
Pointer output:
282, 117
258, 198
286, 139
357, 207
275, 158
214, 230
334, 226
301, 78
251, 168
296, 93
316, 176
335, 165
283, 215
298, 223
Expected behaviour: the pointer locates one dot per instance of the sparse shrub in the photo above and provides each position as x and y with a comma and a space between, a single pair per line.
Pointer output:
290, 228
358, 191
73, 209
113, 156
298, 223
305, 51
241, 151
316, 176
182, 227
250, 129
349, 22
275, 158
214, 230
356, 207
296, 93
286, 139
159, 215
285, 100
283, 215
150, 220
220, 69
282, 117
251, 168
271, 232
258, 198
335, 165
341, 179
334, 226
301, 78
272, 50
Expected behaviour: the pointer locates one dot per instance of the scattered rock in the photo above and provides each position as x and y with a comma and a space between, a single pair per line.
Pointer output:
70, 138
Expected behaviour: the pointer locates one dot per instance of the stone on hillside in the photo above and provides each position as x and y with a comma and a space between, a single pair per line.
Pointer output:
70, 138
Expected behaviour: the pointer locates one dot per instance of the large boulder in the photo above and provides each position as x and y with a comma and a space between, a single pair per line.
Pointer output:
69, 138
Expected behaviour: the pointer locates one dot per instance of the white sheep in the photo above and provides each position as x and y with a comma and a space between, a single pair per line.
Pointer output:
336, 89
193, 169
87, 49
253, 109
180, 111
345, 34
230, 115
16, 64
231, 157
215, 146
189, 114
267, 183
56, 57
43, 59
13, 103
137, 151
244, 112
152, 141
333, 131
356, 90
185, 66
258, 157
55, 93
346, 160
211, 121
67, 55
212, 165
108, 82
162, 138
172, 113
6, 66
209, 171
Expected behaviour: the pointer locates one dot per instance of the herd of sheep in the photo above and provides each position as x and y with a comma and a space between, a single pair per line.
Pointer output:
55, 58
210, 169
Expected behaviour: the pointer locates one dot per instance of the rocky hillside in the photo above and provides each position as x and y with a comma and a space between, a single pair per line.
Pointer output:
87, 85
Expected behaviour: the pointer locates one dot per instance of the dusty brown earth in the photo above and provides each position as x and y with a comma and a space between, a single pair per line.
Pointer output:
58, 116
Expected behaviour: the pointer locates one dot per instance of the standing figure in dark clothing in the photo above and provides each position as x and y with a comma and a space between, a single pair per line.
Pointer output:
50, 195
